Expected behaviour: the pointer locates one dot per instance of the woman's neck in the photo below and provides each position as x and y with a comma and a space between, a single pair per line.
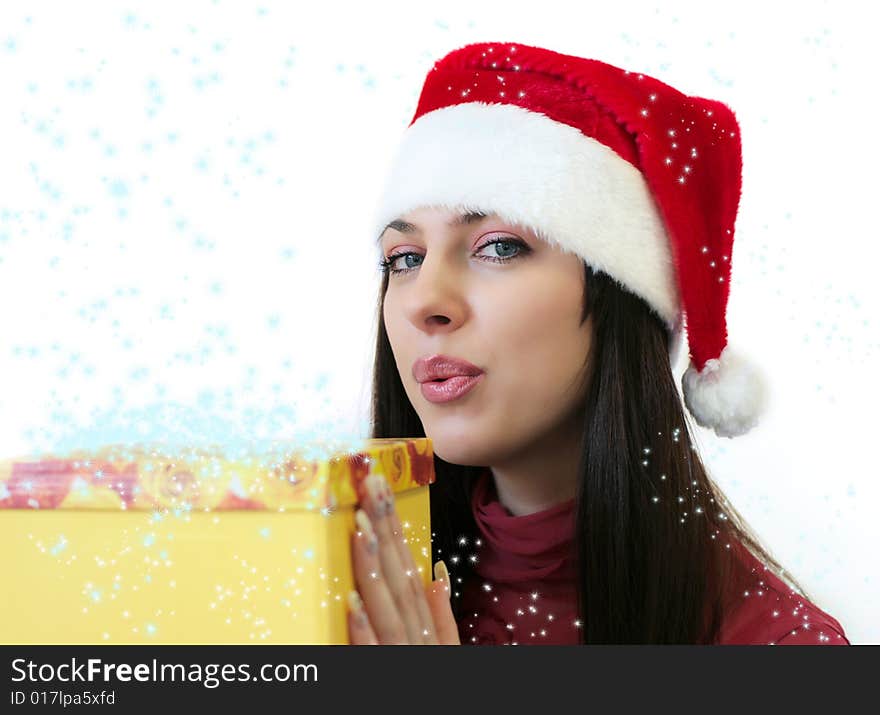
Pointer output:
540, 478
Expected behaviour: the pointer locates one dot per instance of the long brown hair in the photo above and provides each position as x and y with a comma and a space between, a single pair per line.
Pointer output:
655, 537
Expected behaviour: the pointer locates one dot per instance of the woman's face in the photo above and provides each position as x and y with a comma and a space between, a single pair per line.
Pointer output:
517, 320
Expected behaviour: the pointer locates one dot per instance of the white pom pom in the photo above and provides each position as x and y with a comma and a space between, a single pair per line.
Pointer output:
728, 395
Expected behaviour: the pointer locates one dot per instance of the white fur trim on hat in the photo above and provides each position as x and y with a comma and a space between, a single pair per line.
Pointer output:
571, 190
728, 396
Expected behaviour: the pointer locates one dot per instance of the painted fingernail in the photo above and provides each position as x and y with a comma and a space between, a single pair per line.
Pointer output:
373, 486
357, 608
441, 573
389, 497
380, 495
364, 524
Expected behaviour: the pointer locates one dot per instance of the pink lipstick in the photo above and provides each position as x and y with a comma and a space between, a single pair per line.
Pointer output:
449, 389
443, 378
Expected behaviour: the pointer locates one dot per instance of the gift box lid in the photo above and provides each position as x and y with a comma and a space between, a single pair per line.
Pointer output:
143, 477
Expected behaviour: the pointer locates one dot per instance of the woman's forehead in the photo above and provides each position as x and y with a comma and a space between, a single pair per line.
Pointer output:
452, 217
415, 221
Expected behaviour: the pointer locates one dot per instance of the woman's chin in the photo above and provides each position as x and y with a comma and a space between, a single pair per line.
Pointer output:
458, 451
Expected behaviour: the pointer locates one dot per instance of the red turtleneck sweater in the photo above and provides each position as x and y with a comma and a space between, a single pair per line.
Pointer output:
523, 588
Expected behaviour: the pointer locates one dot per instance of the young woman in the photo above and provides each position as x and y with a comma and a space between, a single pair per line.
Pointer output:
549, 224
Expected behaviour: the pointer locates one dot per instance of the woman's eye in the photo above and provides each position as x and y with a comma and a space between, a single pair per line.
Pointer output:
506, 247
407, 257
505, 250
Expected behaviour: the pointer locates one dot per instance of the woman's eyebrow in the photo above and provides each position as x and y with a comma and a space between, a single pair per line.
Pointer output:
460, 220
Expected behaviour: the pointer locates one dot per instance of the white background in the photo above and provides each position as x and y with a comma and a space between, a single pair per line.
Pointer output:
185, 201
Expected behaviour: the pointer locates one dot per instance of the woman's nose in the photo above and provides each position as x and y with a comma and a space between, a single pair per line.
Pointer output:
436, 293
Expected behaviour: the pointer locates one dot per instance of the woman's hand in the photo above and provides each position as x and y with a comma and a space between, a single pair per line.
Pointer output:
391, 606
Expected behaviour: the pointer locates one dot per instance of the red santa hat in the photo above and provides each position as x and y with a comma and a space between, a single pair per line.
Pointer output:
641, 181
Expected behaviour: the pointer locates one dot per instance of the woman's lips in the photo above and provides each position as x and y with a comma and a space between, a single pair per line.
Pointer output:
449, 389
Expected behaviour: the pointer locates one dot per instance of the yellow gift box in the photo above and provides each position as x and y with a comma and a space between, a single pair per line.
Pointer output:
136, 545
